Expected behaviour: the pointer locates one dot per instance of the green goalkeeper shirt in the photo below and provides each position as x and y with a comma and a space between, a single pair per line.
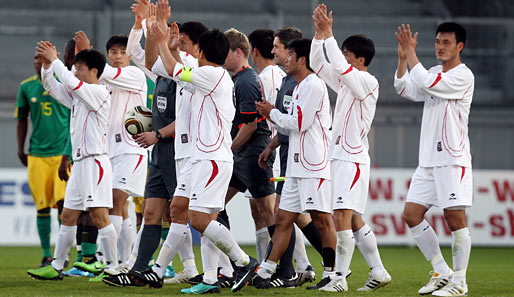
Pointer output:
50, 119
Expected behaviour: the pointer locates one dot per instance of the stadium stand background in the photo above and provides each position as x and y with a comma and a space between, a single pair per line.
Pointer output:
394, 138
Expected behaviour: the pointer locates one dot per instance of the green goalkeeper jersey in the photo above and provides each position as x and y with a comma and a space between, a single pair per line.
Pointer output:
50, 119
150, 87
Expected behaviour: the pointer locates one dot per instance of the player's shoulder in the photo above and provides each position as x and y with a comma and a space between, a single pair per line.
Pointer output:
463, 70
369, 78
30, 80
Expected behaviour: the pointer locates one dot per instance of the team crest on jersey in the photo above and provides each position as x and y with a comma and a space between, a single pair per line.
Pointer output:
118, 137
162, 103
184, 138
338, 140
439, 147
78, 153
296, 156
33, 99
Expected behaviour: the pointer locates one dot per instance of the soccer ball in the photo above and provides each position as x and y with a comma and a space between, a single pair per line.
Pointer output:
138, 120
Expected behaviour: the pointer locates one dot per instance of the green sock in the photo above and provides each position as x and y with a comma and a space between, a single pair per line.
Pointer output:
88, 249
43, 229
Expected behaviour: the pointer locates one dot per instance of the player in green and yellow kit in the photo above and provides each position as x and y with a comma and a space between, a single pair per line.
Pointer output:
50, 129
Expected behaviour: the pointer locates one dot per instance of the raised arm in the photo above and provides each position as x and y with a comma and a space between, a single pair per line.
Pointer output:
134, 48
320, 65
453, 84
129, 78
56, 89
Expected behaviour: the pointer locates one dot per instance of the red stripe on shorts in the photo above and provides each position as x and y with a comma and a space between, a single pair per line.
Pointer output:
214, 173
101, 172
357, 175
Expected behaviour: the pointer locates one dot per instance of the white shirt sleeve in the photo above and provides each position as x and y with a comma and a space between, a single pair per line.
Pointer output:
159, 69
137, 53
452, 84
129, 78
321, 66
306, 108
56, 89
352, 78
84, 92
203, 78
405, 88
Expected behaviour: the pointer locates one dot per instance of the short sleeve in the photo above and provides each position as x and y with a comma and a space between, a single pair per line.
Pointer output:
21, 110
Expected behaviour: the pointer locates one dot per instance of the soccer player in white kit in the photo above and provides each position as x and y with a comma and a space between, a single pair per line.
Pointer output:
357, 94
90, 183
307, 184
127, 85
212, 111
443, 177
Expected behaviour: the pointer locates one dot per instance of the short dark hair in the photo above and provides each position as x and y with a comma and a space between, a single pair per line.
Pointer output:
93, 59
117, 40
215, 46
302, 48
360, 46
193, 30
451, 27
69, 53
286, 35
262, 39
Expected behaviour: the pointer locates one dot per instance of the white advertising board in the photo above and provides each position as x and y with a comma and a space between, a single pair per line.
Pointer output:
491, 219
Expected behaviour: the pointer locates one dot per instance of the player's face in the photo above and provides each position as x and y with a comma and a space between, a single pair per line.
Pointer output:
38, 62
446, 47
291, 63
118, 56
185, 43
351, 59
279, 52
85, 74
231, 61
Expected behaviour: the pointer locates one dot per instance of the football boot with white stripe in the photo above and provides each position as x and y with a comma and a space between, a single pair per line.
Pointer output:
148, 277
435, 283
452, 289
375, 281
122, 280
278, 281
327, 284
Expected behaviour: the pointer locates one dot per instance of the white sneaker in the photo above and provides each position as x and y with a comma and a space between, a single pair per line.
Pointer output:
375, 281
435, 283
122, 268
335, 285
179, 278
452, 289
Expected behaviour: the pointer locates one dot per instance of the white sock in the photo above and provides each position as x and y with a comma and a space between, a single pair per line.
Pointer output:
226, 266
210, 255
267, 268
344, 251
299, 253
427, 241
186, 254
135, 248
262, 240
64, 242
117, 222
367, 244
125, 241
461, 248
174, 240
224, 240
107, 237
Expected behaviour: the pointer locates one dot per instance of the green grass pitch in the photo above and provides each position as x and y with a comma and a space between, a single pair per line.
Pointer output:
490, 273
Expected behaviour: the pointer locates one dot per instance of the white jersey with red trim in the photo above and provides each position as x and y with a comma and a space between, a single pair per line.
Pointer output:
271, 78
357, 94
136, 51
90, 105
308, 126
212, 111
447, 99
128, 89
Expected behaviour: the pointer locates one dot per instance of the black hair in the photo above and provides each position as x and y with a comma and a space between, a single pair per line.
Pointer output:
69, 53
215, 46
193, 30
302, 48
360, 46
286, 35
262, 39
451, 27
117, 40
93, 59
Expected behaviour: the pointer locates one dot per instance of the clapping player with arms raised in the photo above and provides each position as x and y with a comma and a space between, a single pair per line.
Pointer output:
90, 182
443, 177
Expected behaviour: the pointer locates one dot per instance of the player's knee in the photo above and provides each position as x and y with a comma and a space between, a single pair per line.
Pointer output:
411, 219
455, 220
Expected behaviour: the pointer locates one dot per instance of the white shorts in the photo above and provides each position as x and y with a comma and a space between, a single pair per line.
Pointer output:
183, 168
129, 173
446, 186
304, 194
209, 185
90, 184
350, 185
